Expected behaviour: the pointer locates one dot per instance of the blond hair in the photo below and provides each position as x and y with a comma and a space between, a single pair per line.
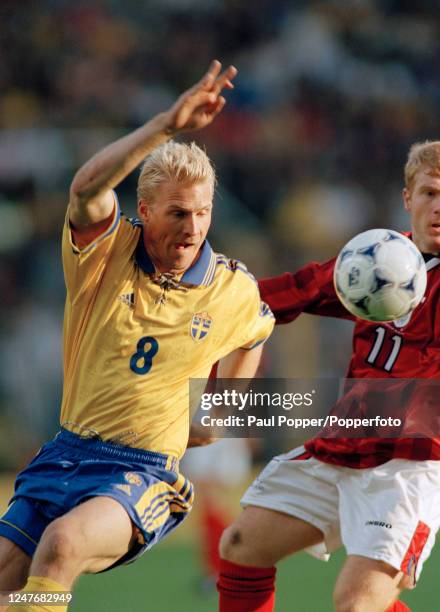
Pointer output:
422, 154
174, 161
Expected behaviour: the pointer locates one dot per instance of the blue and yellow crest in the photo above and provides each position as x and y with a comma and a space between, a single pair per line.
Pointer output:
133, 478
200, 325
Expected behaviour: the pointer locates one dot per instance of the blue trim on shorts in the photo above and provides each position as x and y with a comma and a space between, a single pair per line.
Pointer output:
12, 533
25, 532
70, 469
96, 448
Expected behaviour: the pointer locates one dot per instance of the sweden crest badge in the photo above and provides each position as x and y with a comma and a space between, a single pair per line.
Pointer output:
200, 325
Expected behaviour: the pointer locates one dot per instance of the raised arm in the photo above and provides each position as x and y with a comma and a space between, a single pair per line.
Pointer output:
91, 201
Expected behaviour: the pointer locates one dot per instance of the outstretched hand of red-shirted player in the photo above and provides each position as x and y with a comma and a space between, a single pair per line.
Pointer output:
198, 106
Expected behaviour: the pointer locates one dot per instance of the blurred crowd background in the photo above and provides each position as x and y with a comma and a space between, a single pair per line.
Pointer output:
309, 149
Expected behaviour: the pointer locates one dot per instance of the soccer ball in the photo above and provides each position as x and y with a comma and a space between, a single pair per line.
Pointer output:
380, 275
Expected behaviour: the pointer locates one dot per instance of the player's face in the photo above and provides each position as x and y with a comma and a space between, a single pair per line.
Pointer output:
422, 201
176, 224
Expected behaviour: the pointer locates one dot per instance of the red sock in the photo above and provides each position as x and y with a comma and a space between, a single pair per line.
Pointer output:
246, 589
398, 606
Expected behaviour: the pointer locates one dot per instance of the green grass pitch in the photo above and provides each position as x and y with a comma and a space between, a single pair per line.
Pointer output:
165, 580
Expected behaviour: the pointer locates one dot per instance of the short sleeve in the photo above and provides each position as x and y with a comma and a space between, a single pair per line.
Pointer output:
83, 268
260, 321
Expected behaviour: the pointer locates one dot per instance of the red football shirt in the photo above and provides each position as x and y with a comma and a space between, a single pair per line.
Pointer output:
404, 349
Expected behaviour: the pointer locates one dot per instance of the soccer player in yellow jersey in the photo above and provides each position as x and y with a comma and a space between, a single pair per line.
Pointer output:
149, 305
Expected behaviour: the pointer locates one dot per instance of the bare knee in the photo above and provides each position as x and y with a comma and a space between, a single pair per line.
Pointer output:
261, 537
365, 584
232, 543
59, 545
358, 602
347, 598
244, 541
240, 545
346, 601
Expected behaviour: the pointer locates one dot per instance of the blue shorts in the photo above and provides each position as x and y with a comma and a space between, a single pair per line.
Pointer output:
70, 469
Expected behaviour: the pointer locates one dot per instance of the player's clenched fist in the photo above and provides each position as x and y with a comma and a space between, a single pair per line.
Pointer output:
199, 105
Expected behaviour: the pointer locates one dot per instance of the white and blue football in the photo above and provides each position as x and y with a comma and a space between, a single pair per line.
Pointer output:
380, 275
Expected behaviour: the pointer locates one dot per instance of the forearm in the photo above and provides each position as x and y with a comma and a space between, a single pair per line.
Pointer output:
106, 169
241, 363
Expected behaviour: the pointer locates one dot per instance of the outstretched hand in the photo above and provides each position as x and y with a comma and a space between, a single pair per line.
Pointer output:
198, 106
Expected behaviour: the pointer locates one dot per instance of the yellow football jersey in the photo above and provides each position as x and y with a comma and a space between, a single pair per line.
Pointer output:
132, 342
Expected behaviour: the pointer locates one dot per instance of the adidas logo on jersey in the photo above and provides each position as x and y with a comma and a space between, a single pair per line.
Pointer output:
127, 299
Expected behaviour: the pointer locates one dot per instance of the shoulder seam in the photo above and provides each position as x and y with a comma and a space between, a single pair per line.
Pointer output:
233, 265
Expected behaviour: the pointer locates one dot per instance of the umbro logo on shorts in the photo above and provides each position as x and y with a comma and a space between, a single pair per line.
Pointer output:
379, 524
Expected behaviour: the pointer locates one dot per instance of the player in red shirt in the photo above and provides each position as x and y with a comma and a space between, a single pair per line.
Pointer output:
379, 497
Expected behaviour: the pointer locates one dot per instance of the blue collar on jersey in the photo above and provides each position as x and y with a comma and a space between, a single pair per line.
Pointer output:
201, 273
